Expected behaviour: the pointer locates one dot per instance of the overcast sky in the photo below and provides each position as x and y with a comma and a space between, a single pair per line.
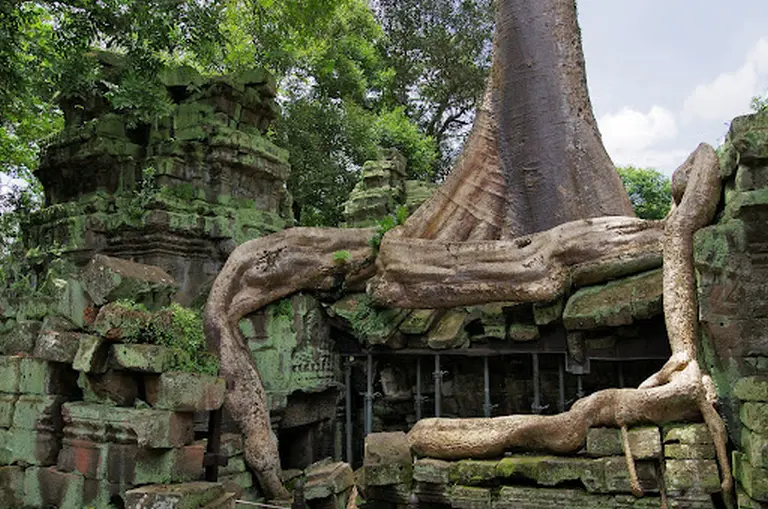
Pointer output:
666, 75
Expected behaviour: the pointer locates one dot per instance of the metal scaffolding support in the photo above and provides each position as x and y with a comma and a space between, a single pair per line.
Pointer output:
621, 374
418, 399
369, 395
561, 385
487, 407
580, 386
348, 402
536, 406
438, 376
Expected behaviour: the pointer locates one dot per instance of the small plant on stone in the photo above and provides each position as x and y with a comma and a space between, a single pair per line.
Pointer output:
386, 224
341, 257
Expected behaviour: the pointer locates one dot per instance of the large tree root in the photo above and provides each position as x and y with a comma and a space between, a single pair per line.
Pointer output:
257, 273
679, 391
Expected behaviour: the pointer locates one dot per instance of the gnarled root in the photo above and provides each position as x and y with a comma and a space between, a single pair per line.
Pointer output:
257, 273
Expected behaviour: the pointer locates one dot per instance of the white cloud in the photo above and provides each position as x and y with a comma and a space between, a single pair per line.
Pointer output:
729, 94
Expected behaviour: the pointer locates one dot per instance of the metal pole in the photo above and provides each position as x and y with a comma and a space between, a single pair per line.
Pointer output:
621, 375
561, 385
487, 407
536, 407
369, 396
419, 398
579, 386
438, 375
348, 427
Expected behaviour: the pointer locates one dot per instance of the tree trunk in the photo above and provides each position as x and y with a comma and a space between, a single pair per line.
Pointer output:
535, 158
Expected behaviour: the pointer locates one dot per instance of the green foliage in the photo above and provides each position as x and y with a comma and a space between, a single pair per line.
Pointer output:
649, 191
760, 103
341, 257
393, 129
387, 223
178, 328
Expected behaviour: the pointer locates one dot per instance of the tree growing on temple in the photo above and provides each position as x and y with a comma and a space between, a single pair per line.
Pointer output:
532, 207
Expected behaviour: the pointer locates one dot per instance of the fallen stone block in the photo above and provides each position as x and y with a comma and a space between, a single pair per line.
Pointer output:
56, 345
178, 496
141, 358
185, 392
326, 480
387, 459
92, 355
108, 279
149, 428
111, 388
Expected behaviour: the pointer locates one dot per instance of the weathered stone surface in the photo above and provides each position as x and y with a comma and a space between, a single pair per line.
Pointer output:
178, 496
20, 339
38, 412
419, 321
754, 446
754, 415
689, 451
71, 301
688, 433
466, 497
473, 472
749, 136
185, 392
56, 342
28, 447
548, 312
146, 427
108, 279
7, 406
111, 388
751, 388
92, 355
387, 459
554, 470
142, 358
617, 475
328, 479
428, 470
523, 332
449, 332
691, 476
48, 487
11, 487
40, 377
373, 325
615, 303
645, 442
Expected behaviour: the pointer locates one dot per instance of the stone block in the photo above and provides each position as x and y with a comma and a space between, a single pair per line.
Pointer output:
9, 374
749, 136
387, 459
449, 331
185, 392
178, 496
689, 451
753, 480
20, 339
111, 388
149, 428
523, 332
55, 345
473, 472
108, 279
231, 444
28, 447
11, 487
41, 377
48, 487
554, 470
142, 358
744, 502
235, 465
691, 476
419, 321
38, 412
686, 433
548, 312
7, 406
326, 480
92, 355
428, 470
645, 442
754, 415
751, 388
240, 484
755, 448
71, 301
617, 475
467, 497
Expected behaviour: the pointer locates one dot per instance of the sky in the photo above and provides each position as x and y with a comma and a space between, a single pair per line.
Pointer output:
666, 75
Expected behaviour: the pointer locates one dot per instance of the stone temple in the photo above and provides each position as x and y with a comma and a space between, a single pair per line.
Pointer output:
107, 392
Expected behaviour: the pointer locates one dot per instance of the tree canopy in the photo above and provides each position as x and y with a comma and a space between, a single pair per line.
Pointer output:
649, 191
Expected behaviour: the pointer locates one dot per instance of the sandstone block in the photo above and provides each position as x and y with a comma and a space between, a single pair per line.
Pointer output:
691, 476
7, 406
751, 388
111, 388
48, 487
645, 442
42, 377
686, 433
11, 487
57, 345
108, 279
149, 428
689, 451
617, 475
20, 339
142, 358
754, 415
554, 470
188, 495
9, 374
449, 331
92, 355
428, 470
185, 392
755, 448
387, 459
326, 480
38, 412
467, 497
753, 480
28, 447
